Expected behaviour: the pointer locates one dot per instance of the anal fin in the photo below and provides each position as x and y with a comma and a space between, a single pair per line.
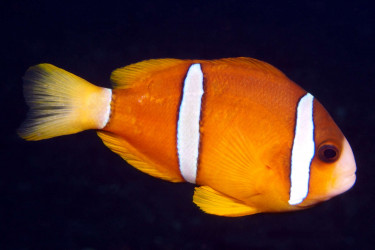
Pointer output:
213, 202
121, 147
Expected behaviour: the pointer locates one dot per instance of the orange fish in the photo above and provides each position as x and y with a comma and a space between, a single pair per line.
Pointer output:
250, 138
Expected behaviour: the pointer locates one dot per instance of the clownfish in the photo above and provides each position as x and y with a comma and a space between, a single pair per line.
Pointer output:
250, 139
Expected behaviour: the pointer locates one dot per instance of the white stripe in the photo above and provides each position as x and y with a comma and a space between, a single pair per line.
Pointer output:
303, 150
188, 123
106, 109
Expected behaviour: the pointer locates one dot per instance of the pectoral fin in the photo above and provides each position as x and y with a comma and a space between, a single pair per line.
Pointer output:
213, 202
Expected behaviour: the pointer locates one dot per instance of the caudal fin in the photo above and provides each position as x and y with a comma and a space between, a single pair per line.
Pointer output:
61, 103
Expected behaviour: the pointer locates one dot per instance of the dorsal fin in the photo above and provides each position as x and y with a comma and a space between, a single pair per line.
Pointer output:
251, 64
125, 77
213, 202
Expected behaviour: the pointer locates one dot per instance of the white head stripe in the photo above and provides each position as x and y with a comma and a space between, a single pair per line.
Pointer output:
188, 123
303, 150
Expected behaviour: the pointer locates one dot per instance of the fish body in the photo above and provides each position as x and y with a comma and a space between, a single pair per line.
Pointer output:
250, 138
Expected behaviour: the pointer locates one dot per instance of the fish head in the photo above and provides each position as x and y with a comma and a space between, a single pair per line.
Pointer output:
333, 167
333, 171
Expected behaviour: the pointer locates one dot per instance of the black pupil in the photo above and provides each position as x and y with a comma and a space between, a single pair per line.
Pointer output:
329, 153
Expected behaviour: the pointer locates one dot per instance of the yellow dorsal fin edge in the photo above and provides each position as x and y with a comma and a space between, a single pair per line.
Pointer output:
127, 76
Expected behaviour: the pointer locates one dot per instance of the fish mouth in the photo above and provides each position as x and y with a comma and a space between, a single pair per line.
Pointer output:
340, 187
343, 185
346, 171
348, 182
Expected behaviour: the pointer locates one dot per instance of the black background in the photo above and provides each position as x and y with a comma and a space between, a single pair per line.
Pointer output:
71, 192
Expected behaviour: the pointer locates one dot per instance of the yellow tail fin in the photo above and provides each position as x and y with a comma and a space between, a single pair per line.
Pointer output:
62, 103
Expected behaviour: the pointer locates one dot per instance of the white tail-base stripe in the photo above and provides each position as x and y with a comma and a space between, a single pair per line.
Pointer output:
188, 123
303, 150
103, 116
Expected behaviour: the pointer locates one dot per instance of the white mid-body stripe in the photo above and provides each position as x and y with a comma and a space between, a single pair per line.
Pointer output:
188, 135
303, 150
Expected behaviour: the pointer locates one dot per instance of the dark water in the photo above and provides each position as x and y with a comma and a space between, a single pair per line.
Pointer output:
73, 193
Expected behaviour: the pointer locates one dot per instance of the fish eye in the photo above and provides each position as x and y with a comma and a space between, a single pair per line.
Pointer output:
328, 153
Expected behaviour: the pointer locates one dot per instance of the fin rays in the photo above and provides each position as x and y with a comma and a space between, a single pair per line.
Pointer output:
213, 202
61, 103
